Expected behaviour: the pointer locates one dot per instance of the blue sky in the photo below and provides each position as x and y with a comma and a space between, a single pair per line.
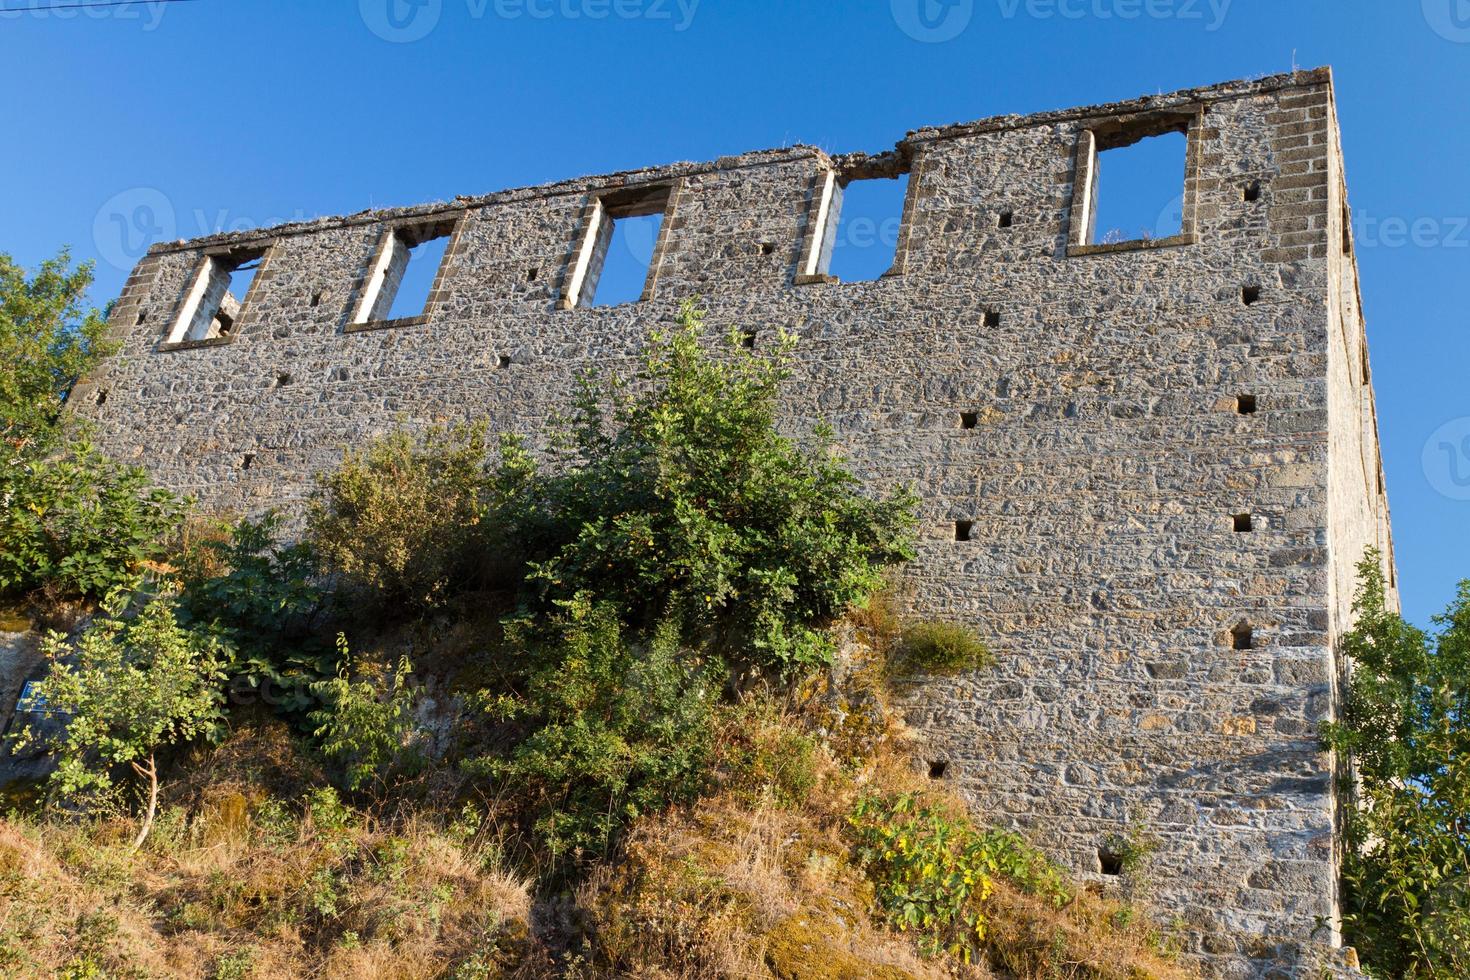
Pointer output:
164, 120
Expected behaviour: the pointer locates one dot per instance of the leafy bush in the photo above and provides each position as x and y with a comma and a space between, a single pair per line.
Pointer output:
48, 339
933, 872
80, 524
400, 520
683, 502
266, 600
366, 724
1405, 735
125, 689
935, 647
614, 728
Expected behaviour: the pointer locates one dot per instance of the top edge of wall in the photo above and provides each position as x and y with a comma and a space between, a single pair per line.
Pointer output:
1241, 88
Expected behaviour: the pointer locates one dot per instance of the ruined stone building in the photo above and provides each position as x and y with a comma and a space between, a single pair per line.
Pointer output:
1147, 466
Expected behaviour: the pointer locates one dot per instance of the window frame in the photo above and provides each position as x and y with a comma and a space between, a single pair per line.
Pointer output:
408, 233
584, 266
175, 336
1115, 133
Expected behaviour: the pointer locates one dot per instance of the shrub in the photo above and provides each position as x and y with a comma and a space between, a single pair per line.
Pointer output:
266, 601
615, 728
125, 689
80, 524
400, 520
366, 724
1404, 734
935, 647
683, 502
933, 872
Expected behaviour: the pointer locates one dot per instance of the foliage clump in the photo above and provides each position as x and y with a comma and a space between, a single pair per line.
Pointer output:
939, 647
399, 521
128, 687
1404, 736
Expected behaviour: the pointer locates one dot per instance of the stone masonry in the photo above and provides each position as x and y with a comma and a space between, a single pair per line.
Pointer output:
1147, 467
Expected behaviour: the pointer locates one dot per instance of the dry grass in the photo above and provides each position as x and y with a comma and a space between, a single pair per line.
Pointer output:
239, 885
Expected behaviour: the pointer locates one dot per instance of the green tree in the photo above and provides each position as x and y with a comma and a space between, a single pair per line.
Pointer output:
49, 338
677, 498
127, 687
1404, 736
366, 723
80, 523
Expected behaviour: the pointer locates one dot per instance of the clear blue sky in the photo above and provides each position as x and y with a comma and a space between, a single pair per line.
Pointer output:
179, 119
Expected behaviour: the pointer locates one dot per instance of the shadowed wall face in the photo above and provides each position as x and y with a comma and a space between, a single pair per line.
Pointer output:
1088, 418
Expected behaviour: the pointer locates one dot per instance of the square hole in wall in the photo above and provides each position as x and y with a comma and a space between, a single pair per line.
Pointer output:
1251, 191
1005, 219
968, 420
747, 338
503, 361
1109, 861
962, 530
1137, 190
992, 318
938, 768
1250, 294
1242, 523
864, 219
1245, 404
247, 461
1242, 637
214, 303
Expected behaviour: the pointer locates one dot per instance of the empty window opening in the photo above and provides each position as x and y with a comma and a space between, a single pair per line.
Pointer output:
747, 338
316, 298
863, 221
212, 306
247, 461
992, 318
1365, 377
1380, 483
403, 276
1109, 861
968, 420
938, 768
1005, 219
1251, 191
962, 530
1136, 186
614, 262
1242, 523
503, 361
142, 318
1245, 404
1242, 638
1250, 294
1347, 231
531, 274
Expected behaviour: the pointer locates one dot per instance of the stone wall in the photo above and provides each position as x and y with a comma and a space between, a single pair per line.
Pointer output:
1108, 460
